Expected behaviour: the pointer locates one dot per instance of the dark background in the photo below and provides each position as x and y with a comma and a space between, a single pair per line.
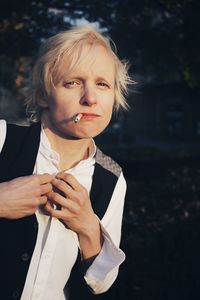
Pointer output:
156, 142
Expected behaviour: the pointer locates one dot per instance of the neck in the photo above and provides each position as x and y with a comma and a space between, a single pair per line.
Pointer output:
71, 151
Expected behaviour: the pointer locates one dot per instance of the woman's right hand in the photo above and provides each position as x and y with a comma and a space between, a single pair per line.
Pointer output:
22, 196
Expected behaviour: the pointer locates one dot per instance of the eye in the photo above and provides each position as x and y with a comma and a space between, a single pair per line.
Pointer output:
71, 83
103, 84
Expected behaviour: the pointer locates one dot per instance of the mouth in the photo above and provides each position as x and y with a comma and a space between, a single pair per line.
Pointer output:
89, 116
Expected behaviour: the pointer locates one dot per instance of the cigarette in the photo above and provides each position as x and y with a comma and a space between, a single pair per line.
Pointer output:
77, 118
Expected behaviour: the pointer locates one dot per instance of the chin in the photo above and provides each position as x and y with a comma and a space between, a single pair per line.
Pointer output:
86, 131
85, 136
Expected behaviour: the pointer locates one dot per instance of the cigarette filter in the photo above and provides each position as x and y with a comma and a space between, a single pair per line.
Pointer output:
77, 118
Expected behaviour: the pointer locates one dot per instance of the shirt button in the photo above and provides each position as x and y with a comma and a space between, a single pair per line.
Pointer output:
15, 294
25, 256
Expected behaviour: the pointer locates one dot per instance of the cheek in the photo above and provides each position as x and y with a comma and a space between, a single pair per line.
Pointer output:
107, 101
59, 110
108, 115
101, 125
108, 109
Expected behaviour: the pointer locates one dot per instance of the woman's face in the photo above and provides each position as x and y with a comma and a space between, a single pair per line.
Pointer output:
87, 90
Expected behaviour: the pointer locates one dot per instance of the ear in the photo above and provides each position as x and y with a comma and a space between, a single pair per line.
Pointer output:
42, 99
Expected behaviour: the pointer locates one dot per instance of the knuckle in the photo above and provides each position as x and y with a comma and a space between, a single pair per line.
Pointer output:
67, 176
49, 187
55, 197
77, 211
35, 203
61, 184
78, 198
43, 199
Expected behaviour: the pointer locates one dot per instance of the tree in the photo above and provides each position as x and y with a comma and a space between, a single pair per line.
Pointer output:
160, 38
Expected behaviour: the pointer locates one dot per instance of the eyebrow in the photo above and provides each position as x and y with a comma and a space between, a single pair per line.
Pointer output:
76, 76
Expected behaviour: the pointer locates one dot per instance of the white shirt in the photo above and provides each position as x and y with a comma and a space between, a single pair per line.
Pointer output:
57, 247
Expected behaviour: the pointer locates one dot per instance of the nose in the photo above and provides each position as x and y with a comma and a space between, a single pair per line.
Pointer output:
89, 97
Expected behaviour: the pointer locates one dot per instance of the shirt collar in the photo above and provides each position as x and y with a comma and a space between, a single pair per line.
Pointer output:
45, 148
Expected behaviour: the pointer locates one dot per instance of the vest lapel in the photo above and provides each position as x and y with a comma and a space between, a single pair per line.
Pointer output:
103, 184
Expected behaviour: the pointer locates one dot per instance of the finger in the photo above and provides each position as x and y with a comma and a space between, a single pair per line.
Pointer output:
48, 206
62, 202
60, 214
46, 188
70, 180
44, 178
62, 186
56, 198
43, 200
71, 206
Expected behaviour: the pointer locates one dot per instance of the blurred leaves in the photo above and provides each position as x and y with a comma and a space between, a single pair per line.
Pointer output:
160, 37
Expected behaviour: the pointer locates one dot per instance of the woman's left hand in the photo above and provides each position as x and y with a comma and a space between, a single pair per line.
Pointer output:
76, 212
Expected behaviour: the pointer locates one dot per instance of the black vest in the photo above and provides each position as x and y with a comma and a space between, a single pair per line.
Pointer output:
18, 237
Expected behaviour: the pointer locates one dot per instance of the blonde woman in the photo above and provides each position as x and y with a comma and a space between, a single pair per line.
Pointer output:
62, 199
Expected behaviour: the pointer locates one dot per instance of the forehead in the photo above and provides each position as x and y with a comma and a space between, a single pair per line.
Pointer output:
86, 58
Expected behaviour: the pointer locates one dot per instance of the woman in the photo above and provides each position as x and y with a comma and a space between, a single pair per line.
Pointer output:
72, 205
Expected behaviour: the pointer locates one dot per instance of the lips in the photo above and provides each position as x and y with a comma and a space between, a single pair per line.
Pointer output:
88, 116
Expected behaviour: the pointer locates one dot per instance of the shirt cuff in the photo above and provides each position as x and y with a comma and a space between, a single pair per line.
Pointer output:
105, 266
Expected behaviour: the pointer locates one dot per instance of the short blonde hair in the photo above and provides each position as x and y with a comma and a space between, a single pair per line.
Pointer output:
64, 44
